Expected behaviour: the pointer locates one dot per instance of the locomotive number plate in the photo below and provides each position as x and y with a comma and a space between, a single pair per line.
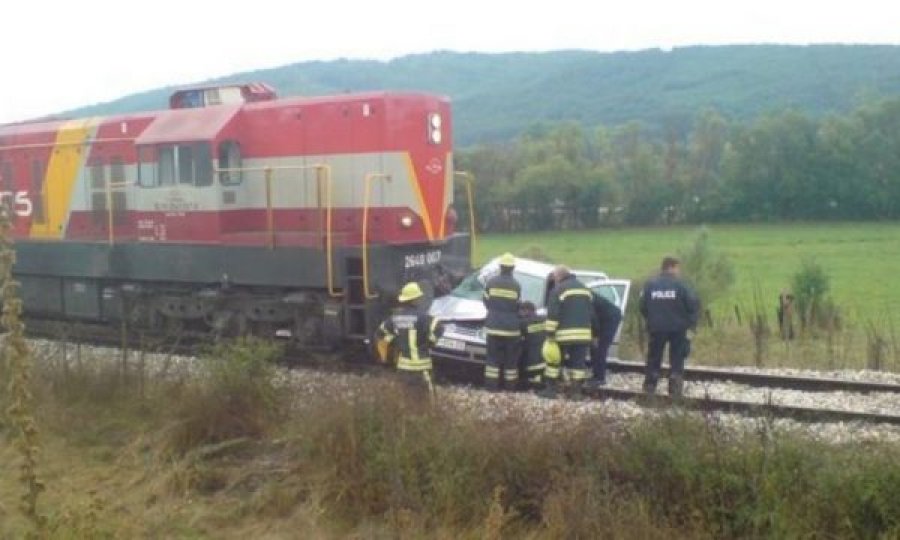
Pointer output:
426, 258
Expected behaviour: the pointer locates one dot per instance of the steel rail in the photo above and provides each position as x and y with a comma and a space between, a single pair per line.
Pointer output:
765, 380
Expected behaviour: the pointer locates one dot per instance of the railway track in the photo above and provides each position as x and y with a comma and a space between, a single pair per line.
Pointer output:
765, 380
748, 408
771, 409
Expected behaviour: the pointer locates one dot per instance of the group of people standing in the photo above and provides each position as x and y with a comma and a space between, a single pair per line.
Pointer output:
570, 343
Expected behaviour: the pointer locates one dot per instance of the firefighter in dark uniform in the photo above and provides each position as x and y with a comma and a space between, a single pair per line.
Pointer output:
607, 318
412, 331
534, 328
671, 309
569, 314
502, 326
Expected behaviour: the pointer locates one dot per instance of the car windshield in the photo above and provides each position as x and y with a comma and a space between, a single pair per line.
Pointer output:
473, 287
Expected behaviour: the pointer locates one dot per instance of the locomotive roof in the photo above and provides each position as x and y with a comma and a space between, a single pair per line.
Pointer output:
217, 115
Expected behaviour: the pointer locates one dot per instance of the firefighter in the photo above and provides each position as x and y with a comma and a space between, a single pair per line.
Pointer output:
502, 326
605, 324
534, 328
670, 309
412, 331
569, 314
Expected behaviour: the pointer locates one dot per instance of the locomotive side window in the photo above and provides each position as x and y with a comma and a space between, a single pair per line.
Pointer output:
116, 170
37, 194
98, 175
146, 167
166, 168
184, 164
230, 158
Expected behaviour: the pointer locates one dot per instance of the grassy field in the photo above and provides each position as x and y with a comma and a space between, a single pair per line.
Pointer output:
862, 258
226, 449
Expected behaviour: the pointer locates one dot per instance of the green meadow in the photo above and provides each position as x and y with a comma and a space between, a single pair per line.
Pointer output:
863, 259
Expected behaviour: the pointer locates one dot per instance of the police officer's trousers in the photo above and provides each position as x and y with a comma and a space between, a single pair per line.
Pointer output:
679, 347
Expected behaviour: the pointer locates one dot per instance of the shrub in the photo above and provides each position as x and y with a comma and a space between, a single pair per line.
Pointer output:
235, 396
709, 272
811, 285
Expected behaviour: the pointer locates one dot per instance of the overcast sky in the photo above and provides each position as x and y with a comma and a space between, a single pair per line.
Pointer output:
60, 55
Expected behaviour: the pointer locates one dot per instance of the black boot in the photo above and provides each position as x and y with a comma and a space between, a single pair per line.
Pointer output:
676, 386
549, 389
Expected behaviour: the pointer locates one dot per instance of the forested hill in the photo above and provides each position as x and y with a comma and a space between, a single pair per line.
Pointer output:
498, 96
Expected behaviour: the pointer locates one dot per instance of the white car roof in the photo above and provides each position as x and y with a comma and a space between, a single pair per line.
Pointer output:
539, 269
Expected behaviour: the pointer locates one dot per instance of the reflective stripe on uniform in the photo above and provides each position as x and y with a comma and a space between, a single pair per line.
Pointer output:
536, 327
537, 367
408, 364
552, 326
511, 375
576, 374
496, 292
502, 333
535, 378
492, 372
388, 335
551, 372
573, 334
576, 292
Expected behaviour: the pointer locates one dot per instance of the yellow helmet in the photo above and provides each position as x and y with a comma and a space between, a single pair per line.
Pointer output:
411, 291
507, 260
551, 353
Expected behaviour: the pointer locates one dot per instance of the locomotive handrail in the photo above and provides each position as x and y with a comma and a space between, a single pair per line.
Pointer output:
365, 229
473, 235
320, 168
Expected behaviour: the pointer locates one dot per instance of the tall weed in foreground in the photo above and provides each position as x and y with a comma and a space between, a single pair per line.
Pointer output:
20, 407
235, 396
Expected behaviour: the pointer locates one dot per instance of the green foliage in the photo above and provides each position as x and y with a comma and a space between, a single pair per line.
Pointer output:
19, 412
497, 96
236, 396
709, 271
811, 285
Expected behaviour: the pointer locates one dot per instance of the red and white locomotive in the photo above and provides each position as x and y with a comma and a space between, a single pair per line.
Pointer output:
234, 211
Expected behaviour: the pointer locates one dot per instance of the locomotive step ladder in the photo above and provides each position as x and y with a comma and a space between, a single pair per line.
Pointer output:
357, 308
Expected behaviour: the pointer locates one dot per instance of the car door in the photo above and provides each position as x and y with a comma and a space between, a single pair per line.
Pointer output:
616, 291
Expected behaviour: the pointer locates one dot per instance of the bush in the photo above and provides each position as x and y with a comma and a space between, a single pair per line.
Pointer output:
235, 396
811, 285
709, 272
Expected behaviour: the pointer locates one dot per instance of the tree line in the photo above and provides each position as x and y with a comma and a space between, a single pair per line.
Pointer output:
780, 166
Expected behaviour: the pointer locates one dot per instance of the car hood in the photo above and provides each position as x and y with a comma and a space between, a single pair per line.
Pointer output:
455, 308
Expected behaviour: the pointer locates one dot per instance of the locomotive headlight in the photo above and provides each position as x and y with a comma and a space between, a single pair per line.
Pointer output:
406, 221
435, 122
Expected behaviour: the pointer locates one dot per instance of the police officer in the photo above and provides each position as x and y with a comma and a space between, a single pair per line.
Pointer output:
569, 314
412, 331
607, 317
502, 327
534, 328
671, 309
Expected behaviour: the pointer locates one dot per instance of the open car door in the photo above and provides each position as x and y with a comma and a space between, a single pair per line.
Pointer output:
616, 291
